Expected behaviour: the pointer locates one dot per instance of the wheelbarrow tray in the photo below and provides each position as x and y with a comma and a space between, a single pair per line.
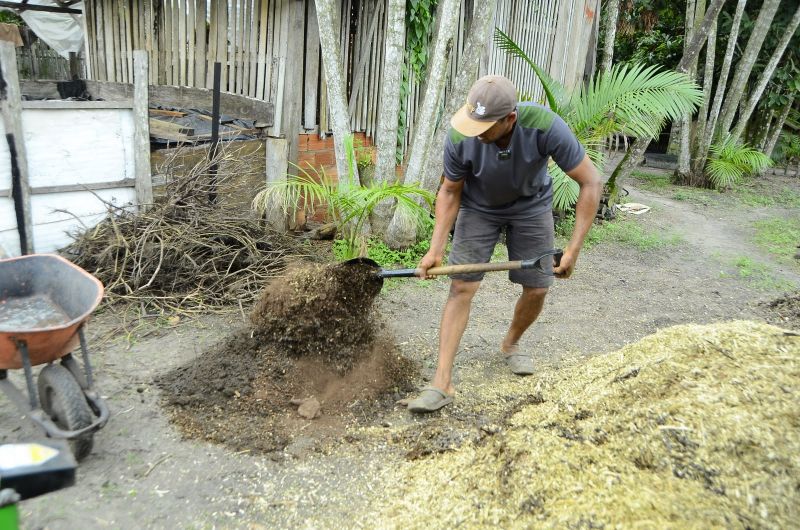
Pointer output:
44, 299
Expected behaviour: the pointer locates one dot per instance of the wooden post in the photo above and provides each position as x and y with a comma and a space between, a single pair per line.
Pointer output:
73, 66
293, 78
311, 69
11, 104
144, 182
87, 45
277, 151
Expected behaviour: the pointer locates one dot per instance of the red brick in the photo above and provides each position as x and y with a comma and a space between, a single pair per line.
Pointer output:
314, 143
325, 158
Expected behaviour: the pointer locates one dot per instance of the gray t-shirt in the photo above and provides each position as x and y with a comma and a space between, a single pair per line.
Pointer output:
518, 185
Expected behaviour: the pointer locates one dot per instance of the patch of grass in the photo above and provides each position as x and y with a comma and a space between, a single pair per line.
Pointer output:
788, 198
760, 275
653, 181
778, 236
696, 195
624, 231
751, 198
759, 195
662, 183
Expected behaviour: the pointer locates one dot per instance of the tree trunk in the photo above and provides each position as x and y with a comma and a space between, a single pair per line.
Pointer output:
682, 173
327, 16
390, 108
775, 133
707, 135
745, 66
390, 92
633, 157
425, 124
479, 35
766, 75
759, 140
708, 83
401, 233
610, 34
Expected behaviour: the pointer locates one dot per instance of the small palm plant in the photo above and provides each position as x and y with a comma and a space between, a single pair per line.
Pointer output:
728, 162
633, 100
349, 206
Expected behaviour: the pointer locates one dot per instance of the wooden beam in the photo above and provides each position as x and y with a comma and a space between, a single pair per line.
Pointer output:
163, 112
158, 127
223, 134
144, 182
188, 98
62, 104
67, 188
11, 108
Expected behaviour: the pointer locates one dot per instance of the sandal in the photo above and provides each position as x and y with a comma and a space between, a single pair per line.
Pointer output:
520, 363
430, 399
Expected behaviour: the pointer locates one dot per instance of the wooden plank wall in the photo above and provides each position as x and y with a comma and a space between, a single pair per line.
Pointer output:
183, 39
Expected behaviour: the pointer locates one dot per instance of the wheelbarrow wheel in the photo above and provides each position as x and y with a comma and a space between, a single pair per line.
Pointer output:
63, 400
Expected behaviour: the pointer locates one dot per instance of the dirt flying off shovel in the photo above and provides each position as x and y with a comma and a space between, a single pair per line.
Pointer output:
538, 264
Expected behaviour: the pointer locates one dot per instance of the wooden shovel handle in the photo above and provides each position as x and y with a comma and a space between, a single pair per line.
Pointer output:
474, 267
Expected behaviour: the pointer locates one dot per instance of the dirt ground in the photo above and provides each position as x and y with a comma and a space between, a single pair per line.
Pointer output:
144, 473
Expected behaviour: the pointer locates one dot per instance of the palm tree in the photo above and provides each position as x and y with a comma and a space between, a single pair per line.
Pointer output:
729, 161
633, 100
347, 204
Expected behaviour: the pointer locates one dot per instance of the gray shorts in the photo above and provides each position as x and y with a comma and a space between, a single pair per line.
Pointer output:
477, 234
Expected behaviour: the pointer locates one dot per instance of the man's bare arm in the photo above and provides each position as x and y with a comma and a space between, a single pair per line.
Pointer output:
591, 187
448, 200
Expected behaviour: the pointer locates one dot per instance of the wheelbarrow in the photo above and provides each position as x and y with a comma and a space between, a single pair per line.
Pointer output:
45, 302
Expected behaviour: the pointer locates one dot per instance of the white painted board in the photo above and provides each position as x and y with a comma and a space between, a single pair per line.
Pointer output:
9, 239
68, 147
52, 227
81, 146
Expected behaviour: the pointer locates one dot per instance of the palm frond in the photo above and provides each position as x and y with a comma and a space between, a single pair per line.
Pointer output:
565, 190
557, 97
729, 161
636, 99
296, 192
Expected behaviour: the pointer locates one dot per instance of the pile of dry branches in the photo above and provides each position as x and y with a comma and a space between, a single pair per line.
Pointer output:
184, 252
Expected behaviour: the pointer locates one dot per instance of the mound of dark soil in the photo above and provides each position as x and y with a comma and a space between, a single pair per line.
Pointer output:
784, 311
320, 312
313, 334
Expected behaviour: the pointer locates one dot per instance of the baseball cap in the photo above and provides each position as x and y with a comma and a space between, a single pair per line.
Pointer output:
491, 98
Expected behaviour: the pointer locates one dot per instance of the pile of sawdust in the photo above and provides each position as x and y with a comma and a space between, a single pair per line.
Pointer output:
695, 426
315, 334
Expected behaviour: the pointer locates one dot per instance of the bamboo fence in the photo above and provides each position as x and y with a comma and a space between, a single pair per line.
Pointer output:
184, 38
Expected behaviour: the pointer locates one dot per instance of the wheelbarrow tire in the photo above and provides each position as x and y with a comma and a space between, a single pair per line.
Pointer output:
63, 400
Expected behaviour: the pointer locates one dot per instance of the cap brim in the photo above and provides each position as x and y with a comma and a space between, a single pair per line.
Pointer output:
466, 125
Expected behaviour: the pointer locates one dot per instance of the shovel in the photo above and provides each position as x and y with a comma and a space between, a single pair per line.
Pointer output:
537, 264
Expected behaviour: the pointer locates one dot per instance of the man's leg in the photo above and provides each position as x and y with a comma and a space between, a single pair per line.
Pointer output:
526, 311
527, 238
454, 322
473, 242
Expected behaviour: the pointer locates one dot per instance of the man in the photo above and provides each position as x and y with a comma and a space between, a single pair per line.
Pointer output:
495, 169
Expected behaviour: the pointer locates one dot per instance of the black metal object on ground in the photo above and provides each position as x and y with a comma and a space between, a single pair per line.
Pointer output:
212, 153
53, 473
